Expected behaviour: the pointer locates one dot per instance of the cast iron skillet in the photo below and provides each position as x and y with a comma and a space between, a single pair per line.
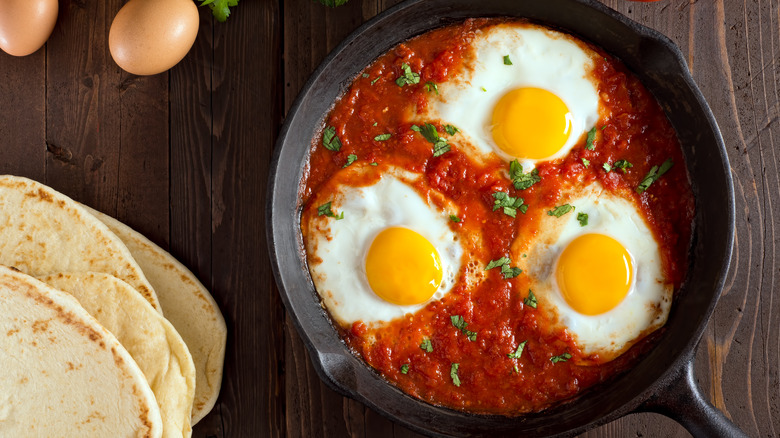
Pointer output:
663, 381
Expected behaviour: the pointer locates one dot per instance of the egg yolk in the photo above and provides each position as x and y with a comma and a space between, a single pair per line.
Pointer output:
594, 273
403, 267
531, 123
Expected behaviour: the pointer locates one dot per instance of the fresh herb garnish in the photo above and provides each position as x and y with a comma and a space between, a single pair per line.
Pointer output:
622, 165
431, 86
507, 61
426, 345
451, 130
530, 300
586, 162
653, 175
374, 164
454, 374
606, 167
333, 3
351, 158
415, 128
560, 210
404, 368
440, 145
455, 218
582, 218
365, 75
561, 358
522, 180
509, 204
383, 137
375, 79
221, 8
483, 89
375, 123
518, 352
330, 140
409, 77
591, 136
507, 271
517, 371
459, 323
324, 210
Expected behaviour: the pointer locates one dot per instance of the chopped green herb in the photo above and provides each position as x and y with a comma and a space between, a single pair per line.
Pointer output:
333, 3
591, 137
426, 345
582, 218
517, 371
365, 75
522, 180
374, 124
431, 86
440, 149
374, 164
622, 165
561, 358
509, 204
409, 77
415, 128
560, 210
602, 128
350, 159
459, 323
530, 300
440, 145
507, 271
330, 140
375, 79
454, 374
606, 167
483, 89
454, 218
507, 61
518, 352
404, 368
324, 210
451, 130
383, 137
586, 162
525, 255
221, 8
653, 175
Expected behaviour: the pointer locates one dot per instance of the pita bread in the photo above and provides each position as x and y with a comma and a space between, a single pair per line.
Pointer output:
150, 339
43, 232
188, 306
65, 375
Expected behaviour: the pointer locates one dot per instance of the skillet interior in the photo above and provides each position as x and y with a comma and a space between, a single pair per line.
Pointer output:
658, 64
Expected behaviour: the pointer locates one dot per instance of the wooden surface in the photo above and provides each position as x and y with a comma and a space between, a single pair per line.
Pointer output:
183, 157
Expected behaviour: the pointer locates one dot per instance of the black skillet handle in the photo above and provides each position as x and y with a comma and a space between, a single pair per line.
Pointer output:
680, 399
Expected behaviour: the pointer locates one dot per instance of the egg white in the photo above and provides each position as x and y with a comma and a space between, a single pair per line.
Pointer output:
337, 248
643, 310
541, 58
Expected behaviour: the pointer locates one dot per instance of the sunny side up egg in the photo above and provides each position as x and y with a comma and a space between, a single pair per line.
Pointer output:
597, 271
380, 251
528, 94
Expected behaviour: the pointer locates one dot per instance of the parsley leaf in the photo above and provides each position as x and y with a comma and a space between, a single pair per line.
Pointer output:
404, 368
375, 79
483, 89
415, 128
383, 137
324, 210
440, 148
653, 175
351, 158
409, 77
440, 145
586, 162
607, 167
431, 86
330, 140
426, 345
333, 3
509, 204
454, 374
522, 180
459, 323
561, 358
455, 218
560, 210
518, 352
591, 136
374, 164
622, 165
221, 8
530, 301
507, 61
582, 218
507, 271
365, 75
451, 130
496, 263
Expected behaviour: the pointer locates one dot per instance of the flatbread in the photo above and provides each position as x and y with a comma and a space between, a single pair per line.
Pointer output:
43, 232
150, 339
188, 306
63, 374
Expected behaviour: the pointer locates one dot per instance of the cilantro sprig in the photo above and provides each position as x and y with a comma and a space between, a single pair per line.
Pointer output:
506, 270
560, 358
408, 77
221, 8
582, 218
330, 140
530, 300
653, 175
426, 345
459, 323
325, 210
509, 204
518, 352
333, 3
428, 130
560, 210
591, 137
522, 180
454, 374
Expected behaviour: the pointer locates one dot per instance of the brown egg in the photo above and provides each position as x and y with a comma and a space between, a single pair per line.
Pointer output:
150, 36
25, 25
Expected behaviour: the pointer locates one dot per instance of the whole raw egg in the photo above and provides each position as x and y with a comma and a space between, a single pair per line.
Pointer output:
149, 37
25, 25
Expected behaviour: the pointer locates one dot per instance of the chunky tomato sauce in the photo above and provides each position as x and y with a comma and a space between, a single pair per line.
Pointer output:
490, 381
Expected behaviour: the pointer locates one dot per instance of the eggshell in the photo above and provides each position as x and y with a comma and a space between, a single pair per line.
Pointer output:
149, 37
25, 25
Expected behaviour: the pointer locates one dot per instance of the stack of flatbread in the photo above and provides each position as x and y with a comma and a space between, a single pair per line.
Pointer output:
102, 333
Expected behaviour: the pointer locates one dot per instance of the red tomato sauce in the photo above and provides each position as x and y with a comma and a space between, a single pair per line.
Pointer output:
489, 380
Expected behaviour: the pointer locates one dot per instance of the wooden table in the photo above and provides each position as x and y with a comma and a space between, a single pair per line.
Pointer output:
183, 157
